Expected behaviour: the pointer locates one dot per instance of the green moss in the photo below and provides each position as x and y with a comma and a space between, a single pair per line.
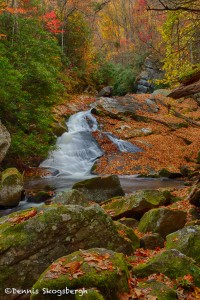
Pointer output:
128, 233
109, 281
92, 294
11, 176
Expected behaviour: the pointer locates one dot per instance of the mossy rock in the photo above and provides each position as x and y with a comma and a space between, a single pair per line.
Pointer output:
71, 197
159, 290
163, 221
137, 204
172, 263
39, 197
187, 241
100, 268
128, 233
32, 239
168, 174
99, 189
11, 187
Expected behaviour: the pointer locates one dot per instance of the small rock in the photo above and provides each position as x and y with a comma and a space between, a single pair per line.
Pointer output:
152, 241
5, 141
106, 92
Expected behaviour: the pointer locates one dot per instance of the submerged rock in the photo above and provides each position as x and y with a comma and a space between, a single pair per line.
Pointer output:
162, 221
187, 241
172, 263
32, 239
99, 189
11, 186
94, 268
137, 204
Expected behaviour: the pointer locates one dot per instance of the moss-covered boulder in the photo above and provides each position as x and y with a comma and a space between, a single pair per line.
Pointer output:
128, 234
187, 241
11, 186
194, 196
172, 263
163, 221
98, 268
152, 241
32, 239
99, 189
158, 290
136, 204
71, 197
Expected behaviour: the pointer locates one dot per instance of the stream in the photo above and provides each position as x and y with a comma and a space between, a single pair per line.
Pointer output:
75, 154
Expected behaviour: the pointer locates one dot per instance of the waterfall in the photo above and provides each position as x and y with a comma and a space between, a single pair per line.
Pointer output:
77, 150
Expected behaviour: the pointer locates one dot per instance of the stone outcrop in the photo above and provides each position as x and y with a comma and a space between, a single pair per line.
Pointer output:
5, 141
11, 186
95, 268
99, 189
151, 71
32, 239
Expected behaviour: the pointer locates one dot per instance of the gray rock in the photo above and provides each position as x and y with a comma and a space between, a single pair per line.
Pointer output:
99, 189
11, 186
5, 141
32, 239
106, 92
163, 221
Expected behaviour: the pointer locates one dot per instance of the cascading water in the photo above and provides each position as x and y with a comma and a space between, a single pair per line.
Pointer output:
76, 150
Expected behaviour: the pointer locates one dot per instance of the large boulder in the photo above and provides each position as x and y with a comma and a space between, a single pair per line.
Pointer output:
137, 204
172, 263
94, 268
163, 221
32, 239
99, 189
11, 186
5, 141
187, 241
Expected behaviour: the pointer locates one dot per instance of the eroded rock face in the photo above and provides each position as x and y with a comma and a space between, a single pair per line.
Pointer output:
163, 221
11, 186
99, 189
172, 263
32, 239
137, 204
187, 241
96, 268
5, 141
